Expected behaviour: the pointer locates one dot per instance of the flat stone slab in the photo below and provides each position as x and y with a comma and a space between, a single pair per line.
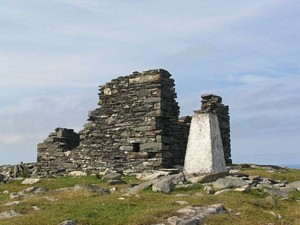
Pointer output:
204, 178
194, 215
229, 182
30, 181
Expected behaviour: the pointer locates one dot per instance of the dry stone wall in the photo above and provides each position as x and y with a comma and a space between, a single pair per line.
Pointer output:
136, 125
61, 140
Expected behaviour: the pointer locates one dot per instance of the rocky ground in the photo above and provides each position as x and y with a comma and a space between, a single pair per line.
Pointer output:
167, 182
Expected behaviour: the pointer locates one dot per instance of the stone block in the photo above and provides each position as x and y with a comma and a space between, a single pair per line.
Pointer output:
151, 147
145, 79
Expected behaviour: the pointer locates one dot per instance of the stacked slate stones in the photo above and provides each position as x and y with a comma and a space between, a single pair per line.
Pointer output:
213, 103
53, 153
136, 125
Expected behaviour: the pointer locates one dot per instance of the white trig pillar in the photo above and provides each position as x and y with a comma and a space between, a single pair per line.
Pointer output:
204, 153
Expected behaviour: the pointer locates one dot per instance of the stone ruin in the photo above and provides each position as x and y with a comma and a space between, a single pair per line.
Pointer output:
61, 140
136, 127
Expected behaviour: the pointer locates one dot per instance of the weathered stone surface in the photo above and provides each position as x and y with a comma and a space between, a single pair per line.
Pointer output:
30, 181
243, 188
61, 140
140, 187
35, 190
9, 214
164, 185
69, 222
229, 182
194, 215
204, 178
293, 186
78, 174
112, 176
181, 202
208, 190
204, 152
151, 174
12, 203
116, 182
222, 191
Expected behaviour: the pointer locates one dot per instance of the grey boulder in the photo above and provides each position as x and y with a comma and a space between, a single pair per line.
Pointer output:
229, 182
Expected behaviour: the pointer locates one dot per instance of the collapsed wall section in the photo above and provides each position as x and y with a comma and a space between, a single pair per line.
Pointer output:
61, 140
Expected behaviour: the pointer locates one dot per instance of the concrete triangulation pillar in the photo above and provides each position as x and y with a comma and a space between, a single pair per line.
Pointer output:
204, 152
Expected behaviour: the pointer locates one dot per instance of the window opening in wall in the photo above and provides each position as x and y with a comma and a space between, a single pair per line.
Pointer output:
136, 147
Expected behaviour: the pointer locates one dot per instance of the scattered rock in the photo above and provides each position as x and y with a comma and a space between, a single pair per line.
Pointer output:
164, 185
116, 182
30, 190
238, 174
30, 181
181, 202
41, 190
51, 199
34, 190
194, 215
292, 186
222, 191
112, 176
140, 187
36, 208
106, 171
12, 203
184, 186
229, 182
69, 222
204, 178
151, 174
112, 190
208, 190
9, 214
15, 195
77, 174
243, 188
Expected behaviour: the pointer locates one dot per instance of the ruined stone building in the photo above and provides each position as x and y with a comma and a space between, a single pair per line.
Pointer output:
135, 127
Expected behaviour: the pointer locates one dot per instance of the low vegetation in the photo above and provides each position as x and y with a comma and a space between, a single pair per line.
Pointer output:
61, 202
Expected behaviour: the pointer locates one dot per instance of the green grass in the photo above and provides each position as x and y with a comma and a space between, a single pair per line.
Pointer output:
147, 207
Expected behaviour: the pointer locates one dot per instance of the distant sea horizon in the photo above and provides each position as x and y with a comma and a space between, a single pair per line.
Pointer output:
293, 166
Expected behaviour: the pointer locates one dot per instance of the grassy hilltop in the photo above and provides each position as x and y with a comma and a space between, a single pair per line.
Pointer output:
62, 202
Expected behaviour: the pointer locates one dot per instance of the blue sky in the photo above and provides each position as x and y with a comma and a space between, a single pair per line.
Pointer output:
55, 53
